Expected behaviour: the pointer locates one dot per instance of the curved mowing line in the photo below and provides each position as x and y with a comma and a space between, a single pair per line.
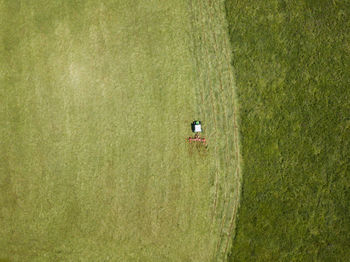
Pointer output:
236, 142
212, 53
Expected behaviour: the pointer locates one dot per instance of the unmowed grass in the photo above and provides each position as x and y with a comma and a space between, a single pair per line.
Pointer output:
291, 61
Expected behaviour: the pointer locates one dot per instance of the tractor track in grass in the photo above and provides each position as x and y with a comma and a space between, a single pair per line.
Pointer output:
211, 51
202, 112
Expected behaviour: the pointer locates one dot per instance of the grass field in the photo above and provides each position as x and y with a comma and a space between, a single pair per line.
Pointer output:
292, 61
96, 102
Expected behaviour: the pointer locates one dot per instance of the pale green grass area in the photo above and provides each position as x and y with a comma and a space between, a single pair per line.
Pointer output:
96, 99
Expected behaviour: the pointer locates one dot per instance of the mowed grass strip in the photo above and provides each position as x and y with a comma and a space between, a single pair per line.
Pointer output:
292, 65
219, 112
96, 101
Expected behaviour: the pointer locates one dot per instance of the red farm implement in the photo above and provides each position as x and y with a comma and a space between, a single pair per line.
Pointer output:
196, 127
196, 138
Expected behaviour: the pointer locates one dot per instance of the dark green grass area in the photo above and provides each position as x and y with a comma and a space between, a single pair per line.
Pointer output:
292, 69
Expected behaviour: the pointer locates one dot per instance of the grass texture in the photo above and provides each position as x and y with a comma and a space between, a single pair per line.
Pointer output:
96, 102
291, 61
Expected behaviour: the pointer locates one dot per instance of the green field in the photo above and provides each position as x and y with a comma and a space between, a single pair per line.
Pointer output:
96, 101
292, 61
